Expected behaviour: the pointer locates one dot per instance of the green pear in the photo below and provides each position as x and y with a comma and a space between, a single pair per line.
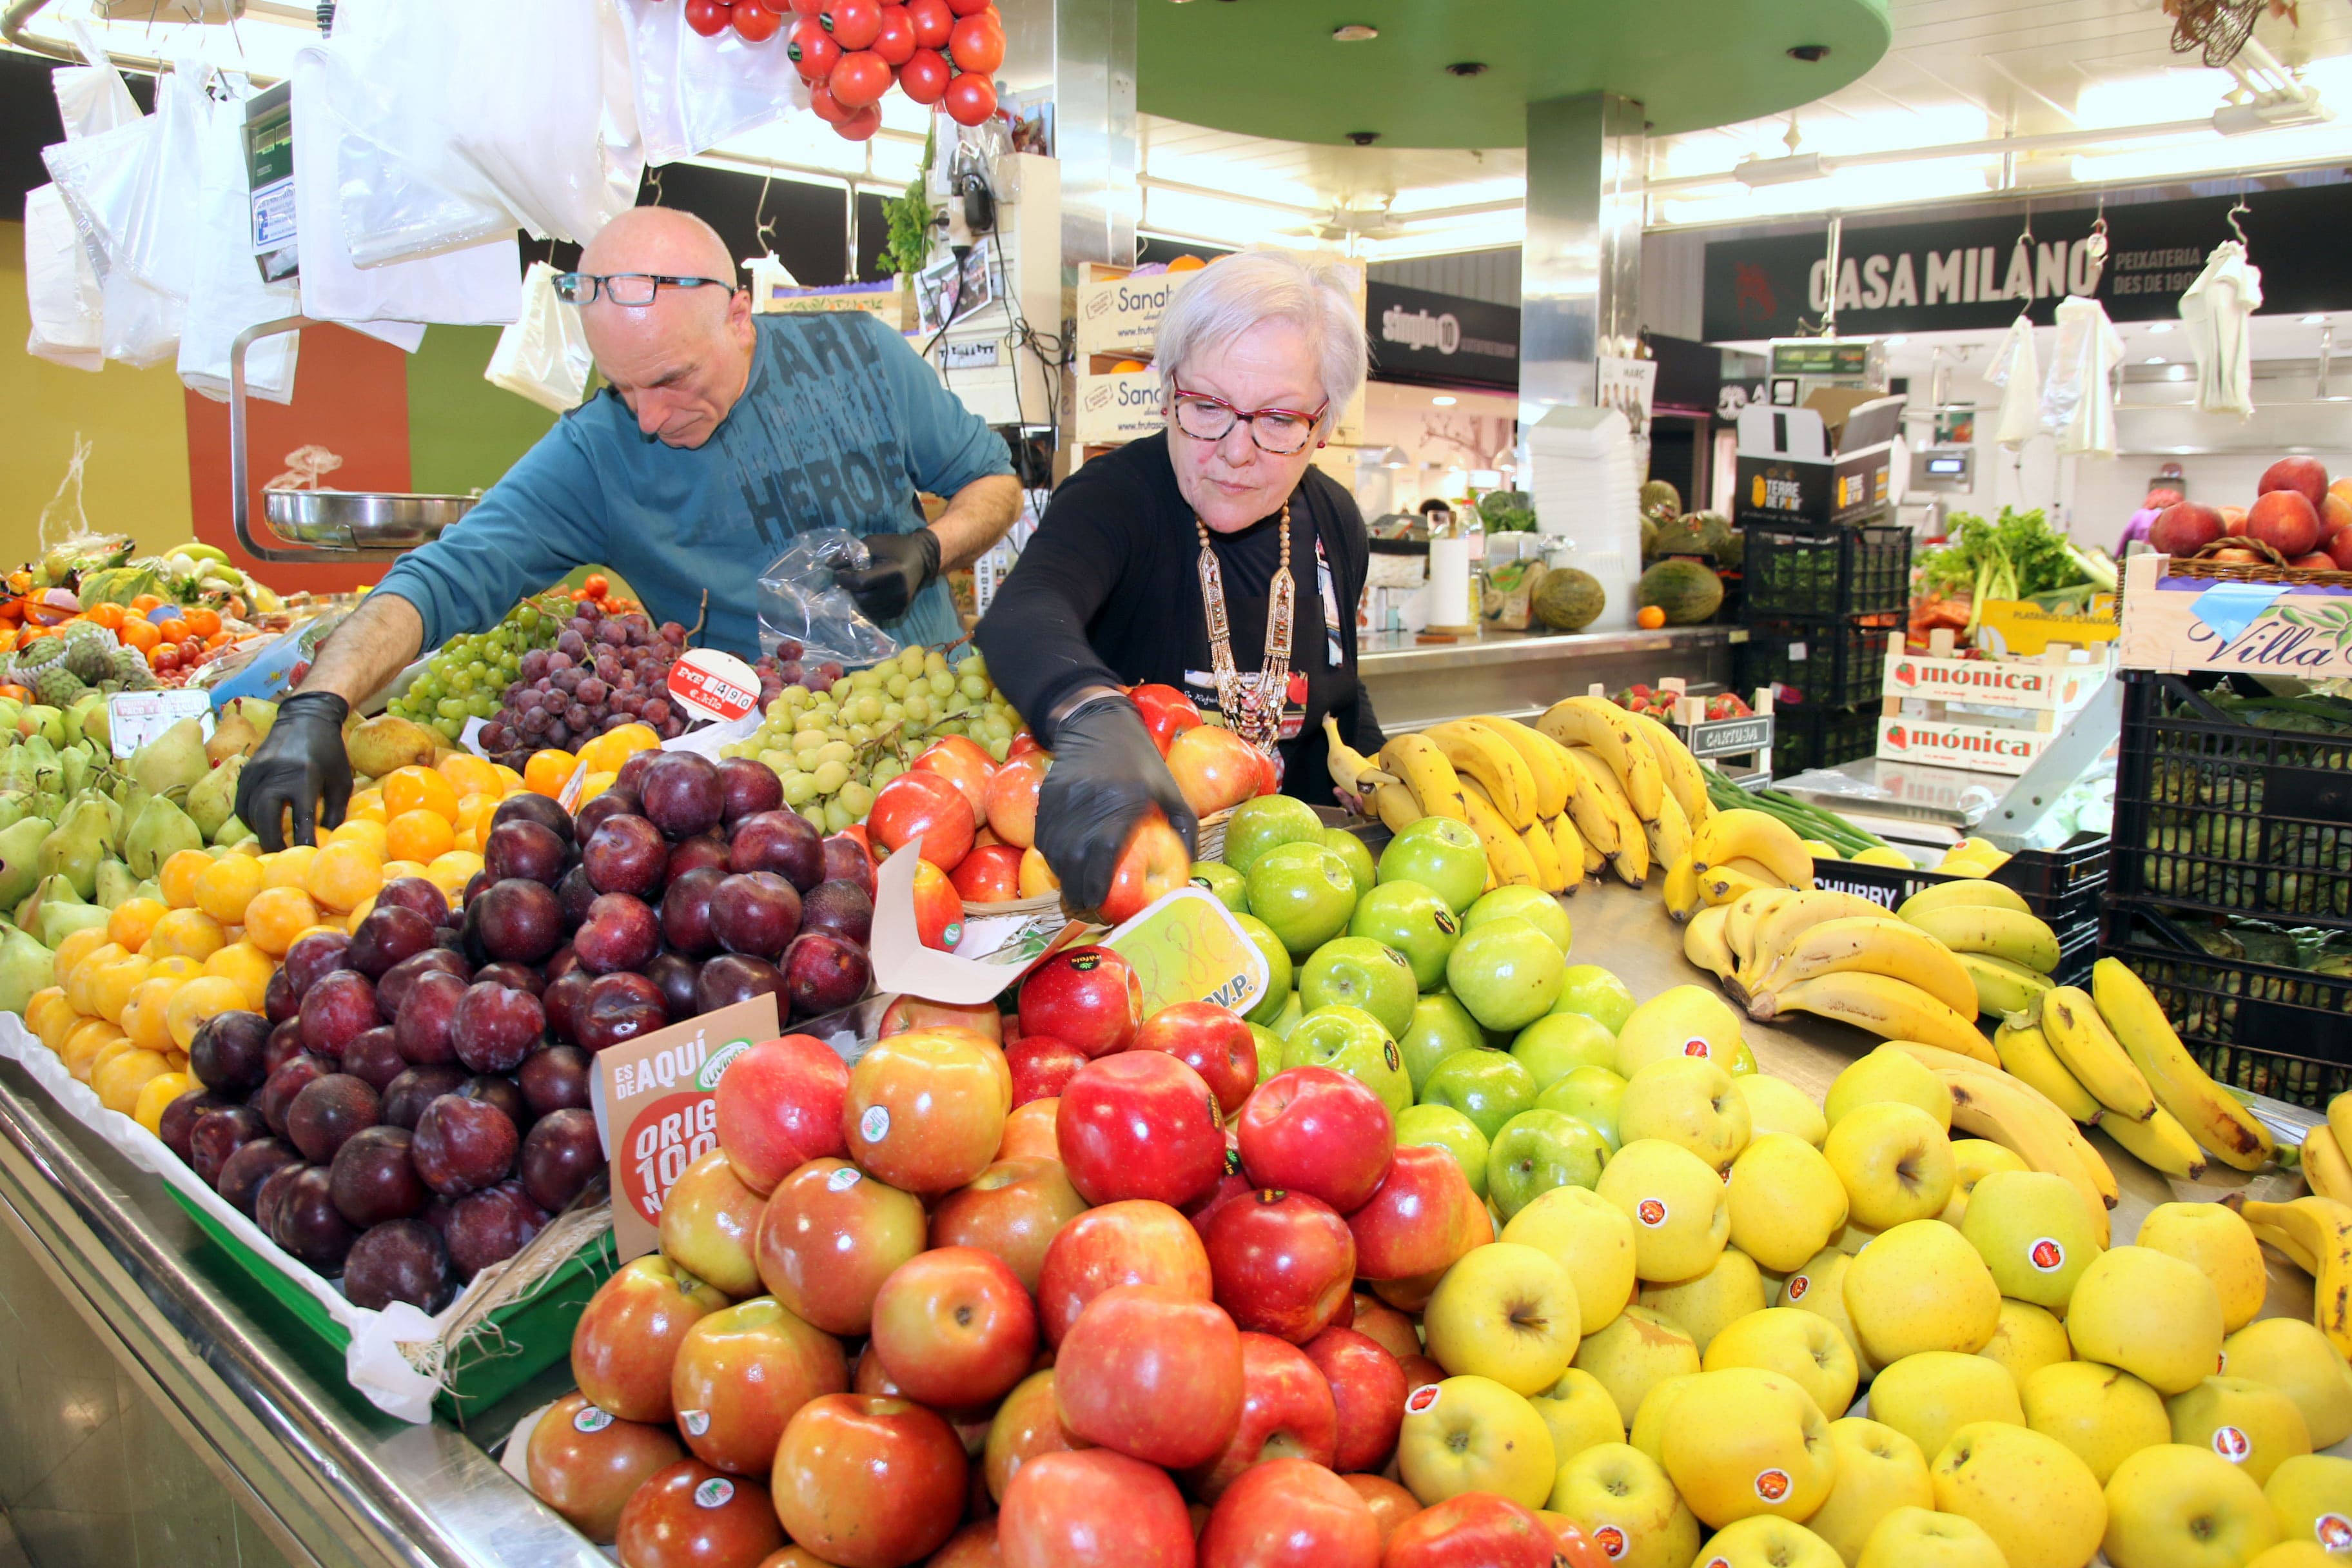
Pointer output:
212, 804
10, 711
20, 844
160, 831
96, 718
99, 812
48, 723
149, 888
15, 804
233, 833
72, 850
174, 761
74, 768
58, 911
115, 883
26, 966
235, 731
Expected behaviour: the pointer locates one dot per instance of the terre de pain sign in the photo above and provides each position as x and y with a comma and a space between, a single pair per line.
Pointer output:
2179, 624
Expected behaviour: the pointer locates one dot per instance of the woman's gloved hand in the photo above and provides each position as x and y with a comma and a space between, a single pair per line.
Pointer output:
1106, 775
300, 764
900, 567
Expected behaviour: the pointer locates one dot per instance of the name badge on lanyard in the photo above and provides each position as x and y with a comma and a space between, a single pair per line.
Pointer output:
1330, 606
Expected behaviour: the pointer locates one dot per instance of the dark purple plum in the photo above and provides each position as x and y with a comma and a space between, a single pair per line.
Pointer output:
676, 975
517, 920
573, 894
374, 1058
272, 1194
632, 771
280, 1000
373, 1179
337, 1011
306, 1223
561, 1154
490, 1226
681, 794
554, 1079
462, 1145
531, 850
327, 1111
622, 931
227, 1048
845, 860
277, 1096
314, 956
692, 854
406, 1097
825, 972
732, 977
562, 1001
284, 1045
561, 963
180, 1118
515, 977
415, 893
778, 841
400, 1260
495, 1027
477, 884
755, 912
390, 933
614, 802
242, 1174
217, 1134
392, 990
625, 854
842, 907
539, 808
424, 1030
501, 1091
686, 911
751, 787
618, 1008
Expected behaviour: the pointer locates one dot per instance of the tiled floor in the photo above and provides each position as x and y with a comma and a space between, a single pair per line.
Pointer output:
91, 1475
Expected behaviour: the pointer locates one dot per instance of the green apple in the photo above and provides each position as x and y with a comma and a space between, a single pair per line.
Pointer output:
1590, 1094
1589, 989
1278, 968
1443, 855
1440, 1027
1559, 1043
1533, 905
1507, 973
1303, 893
1350, 1040
1268, 822
1269, 1049
1350, 849
1357, 972
1489, 1087
1537, 1151
2032, 1232
1408, 917
1285, 1018
1224, 883
1452, 1131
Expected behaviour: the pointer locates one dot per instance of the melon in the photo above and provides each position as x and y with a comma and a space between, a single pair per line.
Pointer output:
1660, 498
1685, 591
1568, 600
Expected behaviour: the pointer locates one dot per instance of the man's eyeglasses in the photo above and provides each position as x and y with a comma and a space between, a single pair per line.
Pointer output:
627, 288
1279, 432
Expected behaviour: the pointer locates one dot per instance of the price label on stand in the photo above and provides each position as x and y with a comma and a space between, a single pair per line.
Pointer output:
713, 685
135, 717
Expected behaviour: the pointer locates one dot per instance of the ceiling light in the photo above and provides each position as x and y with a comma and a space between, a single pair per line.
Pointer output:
2272, 113
1355, 33
2160, 327
1755, 171
2313, 321
1897, 342
2154, 359
1442, 401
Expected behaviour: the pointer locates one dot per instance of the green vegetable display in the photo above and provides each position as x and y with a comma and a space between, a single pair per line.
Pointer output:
2018, 556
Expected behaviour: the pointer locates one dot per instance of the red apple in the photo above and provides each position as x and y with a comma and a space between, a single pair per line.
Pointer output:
2184, 528
1153, 863
963, 763
1282, 1263
2339, 549
869, 1482
1269, 771
741, 1373
1042, 1067
1385, 1326
1210, 1040
1367, 1390
922, 804
1012, 1211
1025, 744
2317, 560
707, 1219
1287, 1414
1420, 1371
2233, 520
1137, 1243
925, 1111
1290, 1513
1088, 996
691, 1516
628, 1335
2286, 522
939, 908
1029, 1131
1094, 1510
1475, 1528
1037, 877
1013, 799
955, 1327
1423, 1216
990, 874
1390, 1504
1215, 768
2306, 477
584, 1462
1167, 712
1153, 1373
1315, 1130
1140, 1124
779, 1104
905, 1015
827, 1240
2335, 509
973, 1546
1026, 1424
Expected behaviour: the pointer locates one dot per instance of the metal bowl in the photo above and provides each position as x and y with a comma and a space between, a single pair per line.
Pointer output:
356, 520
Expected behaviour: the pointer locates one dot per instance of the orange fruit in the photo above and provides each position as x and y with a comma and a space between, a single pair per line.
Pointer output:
353, 921
1186, 264
156, 1095
186, 933
178, 878
1650, 617
227, 886
376, 836
43, 1006
205, 996
346, 874
366, 806
83, 1042
248, 966
420, 834
475, 811
277, 916
73, 950
414, 789
509, 780
132, 922
548, 772
469, 774
451, 872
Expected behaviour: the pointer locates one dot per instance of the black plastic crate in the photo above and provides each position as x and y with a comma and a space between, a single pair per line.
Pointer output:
2261, 1027
1820, 569
2061, 886
1805, 736
1823, 663
2217, 815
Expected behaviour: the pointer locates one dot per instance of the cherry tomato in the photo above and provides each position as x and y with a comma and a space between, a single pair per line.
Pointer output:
977, 44
970, 7
854, 24
933, 21
825, 106
810, 9
971, 99
709, 17
924, 77
862, 125
781, 7
167, 658
597, 585
811, 48
755, 21
896, 42
859, 79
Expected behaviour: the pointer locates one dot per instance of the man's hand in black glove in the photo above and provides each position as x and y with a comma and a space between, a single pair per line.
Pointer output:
900, 566
1106, 775
300, 764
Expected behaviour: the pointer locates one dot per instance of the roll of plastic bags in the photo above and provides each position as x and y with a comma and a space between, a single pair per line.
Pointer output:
2078, 400
693, 92
544, 354
60, 287
2017, 370
226, 293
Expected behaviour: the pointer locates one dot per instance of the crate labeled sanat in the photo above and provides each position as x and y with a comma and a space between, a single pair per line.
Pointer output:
1983, 715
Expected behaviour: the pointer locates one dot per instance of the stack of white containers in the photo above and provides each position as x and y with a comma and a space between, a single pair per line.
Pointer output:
1587, 496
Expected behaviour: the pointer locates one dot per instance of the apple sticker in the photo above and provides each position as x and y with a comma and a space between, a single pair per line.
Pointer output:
715, 1492
2232, 1444
1799, 1284
2046, 1254
2334, 1531
1423, 1400
1698, 1047
1651, 1212
875, 1125
695, 1422
1611, 1541
848, 1176
1772, 1486
588, 1419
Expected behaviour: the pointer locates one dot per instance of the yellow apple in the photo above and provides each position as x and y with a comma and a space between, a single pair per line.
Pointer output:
1766, 1540
1974, 1159
1932, 1395
1854, 1239
2218, 1240
1895, 1161
2150, 1313
1504, 1312
1803, 1347
1888, 1076
2033, 1233
2295, 1554
1684, 1021
1648, 1431
2027, 1339
2292, 1354
1703, 1308
1879, 1470
2103, 1415
2312, 1495
1784, 1201
1591, 1240
1675, 1201
1742, 1441
1579, 1414
2036, 1499
1819, 1288
1922, 1538
2252, 1425
1688, 1102
1776, 1105
2173, 1506
1636, 1351
1623, 1501
1920, 1286
1472, 1435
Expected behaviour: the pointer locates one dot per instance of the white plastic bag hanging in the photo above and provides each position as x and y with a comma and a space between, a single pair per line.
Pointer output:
97, 169
226, 293
2219, 309
60, 287
161, 229
91, 97
694, 92
2016, 369
564, 154
2078, 401
544, 354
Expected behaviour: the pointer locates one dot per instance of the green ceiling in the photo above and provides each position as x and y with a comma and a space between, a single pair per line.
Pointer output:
1271, 67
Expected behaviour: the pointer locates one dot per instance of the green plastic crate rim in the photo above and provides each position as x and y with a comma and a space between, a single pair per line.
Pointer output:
536, 1331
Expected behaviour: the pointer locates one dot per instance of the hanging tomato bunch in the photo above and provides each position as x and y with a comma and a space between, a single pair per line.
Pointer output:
851, 51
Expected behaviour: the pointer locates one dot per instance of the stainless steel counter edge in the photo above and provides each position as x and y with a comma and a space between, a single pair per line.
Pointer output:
332, 1481
1498, 647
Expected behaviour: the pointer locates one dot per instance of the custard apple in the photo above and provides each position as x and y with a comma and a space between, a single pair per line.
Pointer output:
30, 660
58, 686
130, 666
91, 658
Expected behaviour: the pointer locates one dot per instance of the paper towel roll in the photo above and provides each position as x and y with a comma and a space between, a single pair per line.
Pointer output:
1449, 583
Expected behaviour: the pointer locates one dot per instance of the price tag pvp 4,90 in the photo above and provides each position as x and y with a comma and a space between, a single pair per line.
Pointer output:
713, 685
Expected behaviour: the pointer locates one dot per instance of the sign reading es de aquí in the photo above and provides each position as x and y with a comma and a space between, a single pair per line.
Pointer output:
1964, 272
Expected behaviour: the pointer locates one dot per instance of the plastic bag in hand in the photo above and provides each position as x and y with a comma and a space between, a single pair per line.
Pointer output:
695, 93
799, 601
226, 293
544, 354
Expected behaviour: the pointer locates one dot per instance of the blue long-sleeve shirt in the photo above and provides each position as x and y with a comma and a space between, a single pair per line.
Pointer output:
839, 426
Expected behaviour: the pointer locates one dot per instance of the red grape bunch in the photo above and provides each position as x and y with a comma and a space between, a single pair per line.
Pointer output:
606, 670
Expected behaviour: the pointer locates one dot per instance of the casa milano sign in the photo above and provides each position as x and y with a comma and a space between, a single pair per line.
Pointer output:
1964, 272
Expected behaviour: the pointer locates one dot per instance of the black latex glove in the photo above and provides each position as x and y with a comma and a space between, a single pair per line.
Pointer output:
1106, 775
900, 566
300, 764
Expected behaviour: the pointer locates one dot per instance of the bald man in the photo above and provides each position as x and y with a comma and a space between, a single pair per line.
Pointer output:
717, 439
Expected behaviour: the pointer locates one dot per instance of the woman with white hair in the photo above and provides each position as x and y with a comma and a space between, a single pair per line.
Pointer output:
1213, 557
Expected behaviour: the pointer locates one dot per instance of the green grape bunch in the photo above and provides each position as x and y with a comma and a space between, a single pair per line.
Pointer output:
465, 677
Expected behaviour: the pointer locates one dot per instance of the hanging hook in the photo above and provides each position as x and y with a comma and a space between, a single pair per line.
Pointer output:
2232, 217
763, 227
654, 178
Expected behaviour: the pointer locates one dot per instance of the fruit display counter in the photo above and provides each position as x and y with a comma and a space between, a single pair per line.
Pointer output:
1413, 683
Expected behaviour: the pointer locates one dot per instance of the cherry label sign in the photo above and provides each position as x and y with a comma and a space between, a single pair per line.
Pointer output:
714, 685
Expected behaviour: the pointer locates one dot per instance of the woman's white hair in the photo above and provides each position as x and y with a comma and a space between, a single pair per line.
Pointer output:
1251, 287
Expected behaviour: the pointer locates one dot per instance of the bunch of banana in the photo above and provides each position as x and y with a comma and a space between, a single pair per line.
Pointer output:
2325, 1168
1989, 1103
2316, 1232
1356, 774
2211, 1114
2006, 950
1480, 773
1736, 852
